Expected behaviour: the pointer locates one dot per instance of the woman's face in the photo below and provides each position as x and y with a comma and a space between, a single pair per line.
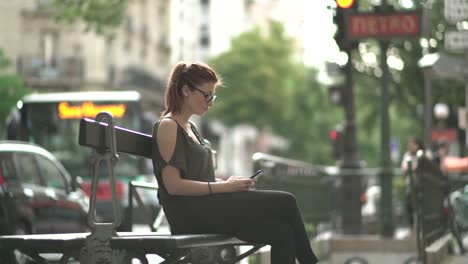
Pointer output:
200, 98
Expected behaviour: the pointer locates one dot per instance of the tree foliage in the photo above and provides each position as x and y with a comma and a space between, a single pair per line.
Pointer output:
406, 87
101, 16
265, 87
11, 90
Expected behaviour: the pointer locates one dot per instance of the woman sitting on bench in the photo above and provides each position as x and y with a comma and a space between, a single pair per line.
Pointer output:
193, 201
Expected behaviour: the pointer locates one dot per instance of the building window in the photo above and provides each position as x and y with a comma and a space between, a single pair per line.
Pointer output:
49, 48
162, 9
128, 24
111, 74
205, 41
144, 33
204, 36
144, 51
127, 46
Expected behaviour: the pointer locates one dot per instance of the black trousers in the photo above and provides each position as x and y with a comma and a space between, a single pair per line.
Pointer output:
257, 216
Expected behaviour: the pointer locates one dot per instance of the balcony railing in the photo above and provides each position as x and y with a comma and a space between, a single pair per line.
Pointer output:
41, 8
67, 71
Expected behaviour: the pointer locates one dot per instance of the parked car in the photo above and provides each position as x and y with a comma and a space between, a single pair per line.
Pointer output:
37, 194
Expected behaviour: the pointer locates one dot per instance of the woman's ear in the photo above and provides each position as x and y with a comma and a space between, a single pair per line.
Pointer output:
185, 90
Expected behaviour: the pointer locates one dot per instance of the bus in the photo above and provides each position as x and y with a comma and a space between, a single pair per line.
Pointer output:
52, 121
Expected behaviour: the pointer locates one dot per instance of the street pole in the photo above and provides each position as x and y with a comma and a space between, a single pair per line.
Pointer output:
351, 183
386, 209
465, 74
427, 108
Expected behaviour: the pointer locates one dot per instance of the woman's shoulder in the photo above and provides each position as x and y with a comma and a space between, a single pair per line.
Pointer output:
166, 128
165, 136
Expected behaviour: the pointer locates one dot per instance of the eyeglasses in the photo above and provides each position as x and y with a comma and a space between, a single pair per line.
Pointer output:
208, 96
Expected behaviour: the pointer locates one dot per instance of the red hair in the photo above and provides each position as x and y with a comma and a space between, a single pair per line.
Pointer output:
182, 74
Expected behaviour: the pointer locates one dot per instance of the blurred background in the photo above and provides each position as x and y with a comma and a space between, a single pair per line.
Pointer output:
301, 89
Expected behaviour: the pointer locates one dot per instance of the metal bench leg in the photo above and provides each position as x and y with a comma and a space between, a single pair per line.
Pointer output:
181, 256
35, 256
136, 255
247, 253
65, 258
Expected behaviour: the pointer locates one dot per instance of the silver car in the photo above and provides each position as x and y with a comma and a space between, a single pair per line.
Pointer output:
37, 195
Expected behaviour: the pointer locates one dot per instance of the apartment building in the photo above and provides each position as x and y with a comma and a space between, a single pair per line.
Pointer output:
55, 56
201, 29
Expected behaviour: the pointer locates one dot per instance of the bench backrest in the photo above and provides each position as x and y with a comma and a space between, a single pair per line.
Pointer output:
92, 134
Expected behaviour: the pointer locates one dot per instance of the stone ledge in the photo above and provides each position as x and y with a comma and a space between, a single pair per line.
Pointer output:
437, 251
363, 243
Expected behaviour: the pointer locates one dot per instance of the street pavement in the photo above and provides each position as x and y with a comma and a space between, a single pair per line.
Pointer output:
400, 233
459, 259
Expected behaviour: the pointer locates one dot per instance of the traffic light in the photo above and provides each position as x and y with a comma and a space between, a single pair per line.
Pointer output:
338, 19
336, 138
345, 3
342, 6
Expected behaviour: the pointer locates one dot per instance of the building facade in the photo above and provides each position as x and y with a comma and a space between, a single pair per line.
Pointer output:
52, 56
201, 29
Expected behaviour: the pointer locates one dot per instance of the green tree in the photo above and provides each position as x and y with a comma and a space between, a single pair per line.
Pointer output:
101, 16
310, 117
11, 90
406, 87
265, 87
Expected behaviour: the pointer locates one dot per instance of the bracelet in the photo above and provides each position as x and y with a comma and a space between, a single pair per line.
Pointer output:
209, 187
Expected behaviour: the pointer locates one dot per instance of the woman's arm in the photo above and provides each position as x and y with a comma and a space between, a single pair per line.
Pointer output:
175, 184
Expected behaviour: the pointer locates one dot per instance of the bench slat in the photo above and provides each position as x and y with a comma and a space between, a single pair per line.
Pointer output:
51, 243
167, 242
92, 134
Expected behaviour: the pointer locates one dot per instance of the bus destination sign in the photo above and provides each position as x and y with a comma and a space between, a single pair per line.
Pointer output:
383, 25
89, 109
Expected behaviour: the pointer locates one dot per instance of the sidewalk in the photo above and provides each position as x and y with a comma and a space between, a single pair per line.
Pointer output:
457, 260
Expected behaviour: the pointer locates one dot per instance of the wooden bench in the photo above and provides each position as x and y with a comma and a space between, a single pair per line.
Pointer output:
104, 244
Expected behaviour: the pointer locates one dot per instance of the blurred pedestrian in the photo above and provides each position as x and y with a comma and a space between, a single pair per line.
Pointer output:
414, 145
194, 201
441, 152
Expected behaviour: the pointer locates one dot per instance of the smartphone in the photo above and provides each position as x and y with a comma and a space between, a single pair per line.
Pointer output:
256, 174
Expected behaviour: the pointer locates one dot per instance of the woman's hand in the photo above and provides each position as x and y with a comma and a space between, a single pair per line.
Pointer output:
239, 184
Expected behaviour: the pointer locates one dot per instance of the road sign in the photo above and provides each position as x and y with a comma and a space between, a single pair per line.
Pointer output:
455, 10
445, 66
333, 69
456, 40
447, 134
383, 25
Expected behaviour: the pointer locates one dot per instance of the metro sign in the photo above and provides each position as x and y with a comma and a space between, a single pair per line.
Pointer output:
383, 25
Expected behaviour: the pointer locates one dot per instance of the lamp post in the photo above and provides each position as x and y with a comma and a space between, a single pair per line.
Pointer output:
386, 213
350, 184
441, 113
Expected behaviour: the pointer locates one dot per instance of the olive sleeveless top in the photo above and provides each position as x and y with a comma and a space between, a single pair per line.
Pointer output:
193, 159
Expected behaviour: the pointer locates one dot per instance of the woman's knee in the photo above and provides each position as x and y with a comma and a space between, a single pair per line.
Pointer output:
287, 199
277, 231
